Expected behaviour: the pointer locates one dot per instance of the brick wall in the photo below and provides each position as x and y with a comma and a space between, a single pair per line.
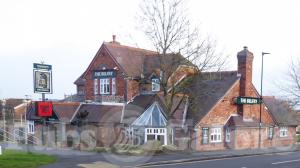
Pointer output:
220, 114
285, 141
102, 58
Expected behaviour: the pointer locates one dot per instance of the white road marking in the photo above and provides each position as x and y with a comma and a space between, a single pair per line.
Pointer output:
288, 161
191, 162
199, 161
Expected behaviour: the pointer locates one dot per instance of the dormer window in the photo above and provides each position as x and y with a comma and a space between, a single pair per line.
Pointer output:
155, 85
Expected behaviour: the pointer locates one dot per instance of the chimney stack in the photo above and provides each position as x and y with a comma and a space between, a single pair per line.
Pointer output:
245, 61
114, 38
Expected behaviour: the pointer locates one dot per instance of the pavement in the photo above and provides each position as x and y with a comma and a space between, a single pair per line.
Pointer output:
68, 158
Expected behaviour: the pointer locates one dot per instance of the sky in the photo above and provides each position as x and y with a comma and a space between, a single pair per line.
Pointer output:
68, 33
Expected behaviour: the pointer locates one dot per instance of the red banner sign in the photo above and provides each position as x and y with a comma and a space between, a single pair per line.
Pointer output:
44, 109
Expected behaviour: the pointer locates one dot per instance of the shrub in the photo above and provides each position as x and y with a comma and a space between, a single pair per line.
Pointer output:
152, 146
124, 148
298, 138
169, 148
102, 149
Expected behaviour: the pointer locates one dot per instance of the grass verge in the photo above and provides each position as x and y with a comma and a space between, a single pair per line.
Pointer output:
18, 159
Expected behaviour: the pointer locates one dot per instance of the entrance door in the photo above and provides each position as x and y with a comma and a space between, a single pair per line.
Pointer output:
159, 134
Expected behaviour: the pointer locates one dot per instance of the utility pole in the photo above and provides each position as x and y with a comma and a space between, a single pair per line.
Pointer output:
261, 97
44, 123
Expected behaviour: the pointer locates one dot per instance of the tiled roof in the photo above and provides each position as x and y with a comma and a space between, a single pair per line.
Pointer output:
130, 59
237, 121
11, 103
169, 64
205, 90
136, 61
65, 110
101, 114
80, 81
281, 111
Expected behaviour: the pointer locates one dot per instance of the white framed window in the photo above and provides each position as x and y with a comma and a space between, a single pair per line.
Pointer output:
113, 86
96, 91
215, 135
283, 132
270, 132
204, 135
104, 86
155, 85
159, 134
30, 127
227, 134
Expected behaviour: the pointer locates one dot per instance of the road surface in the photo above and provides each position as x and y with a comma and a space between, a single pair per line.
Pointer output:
282, 160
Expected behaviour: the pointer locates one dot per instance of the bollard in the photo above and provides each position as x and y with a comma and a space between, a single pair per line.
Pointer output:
0, 150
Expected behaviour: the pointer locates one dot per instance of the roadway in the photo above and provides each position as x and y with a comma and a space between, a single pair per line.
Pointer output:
281, 160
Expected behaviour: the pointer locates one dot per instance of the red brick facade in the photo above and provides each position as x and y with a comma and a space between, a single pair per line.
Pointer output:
216, 119
241, 137
101, 60
134, 69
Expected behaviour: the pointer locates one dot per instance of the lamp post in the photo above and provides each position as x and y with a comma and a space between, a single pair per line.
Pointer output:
261, 97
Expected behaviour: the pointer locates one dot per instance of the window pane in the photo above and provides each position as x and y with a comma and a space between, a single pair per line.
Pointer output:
105, 86
155, 84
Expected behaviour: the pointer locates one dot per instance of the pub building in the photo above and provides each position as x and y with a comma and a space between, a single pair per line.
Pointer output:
121, 98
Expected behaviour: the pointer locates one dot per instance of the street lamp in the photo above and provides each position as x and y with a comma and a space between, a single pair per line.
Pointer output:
261, 97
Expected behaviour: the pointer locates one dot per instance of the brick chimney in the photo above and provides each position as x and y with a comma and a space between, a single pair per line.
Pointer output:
245, 61
114, 40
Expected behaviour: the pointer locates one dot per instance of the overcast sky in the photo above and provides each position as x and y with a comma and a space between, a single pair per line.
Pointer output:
68, 33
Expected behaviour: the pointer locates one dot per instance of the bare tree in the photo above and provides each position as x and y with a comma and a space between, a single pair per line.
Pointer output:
291, 85
168, 27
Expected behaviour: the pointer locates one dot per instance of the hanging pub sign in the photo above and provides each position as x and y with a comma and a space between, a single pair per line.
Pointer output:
44, 109
104, 74
247, 100
42, 76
